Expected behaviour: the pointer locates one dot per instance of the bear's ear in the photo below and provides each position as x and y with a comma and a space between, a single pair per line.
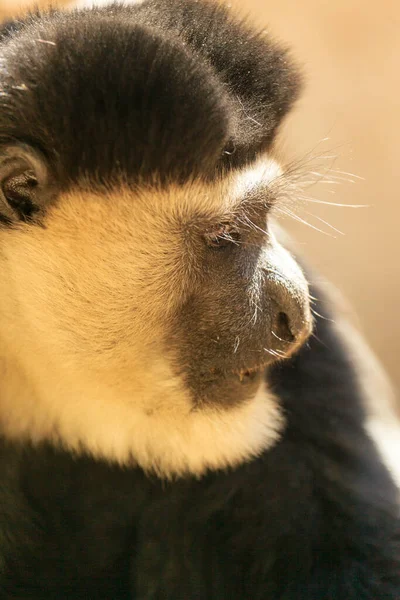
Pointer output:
24, 184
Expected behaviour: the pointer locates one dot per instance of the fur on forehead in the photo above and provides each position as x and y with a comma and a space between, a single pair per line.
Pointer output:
176, 90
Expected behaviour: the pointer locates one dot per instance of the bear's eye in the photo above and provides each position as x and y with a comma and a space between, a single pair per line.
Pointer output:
19, 190
223, 235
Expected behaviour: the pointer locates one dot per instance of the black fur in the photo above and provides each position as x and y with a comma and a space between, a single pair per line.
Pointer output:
314, 518
176, 89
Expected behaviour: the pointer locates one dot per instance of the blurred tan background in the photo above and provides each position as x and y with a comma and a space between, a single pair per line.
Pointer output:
350, 52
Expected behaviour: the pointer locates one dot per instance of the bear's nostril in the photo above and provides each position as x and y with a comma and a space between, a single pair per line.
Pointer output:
282, 328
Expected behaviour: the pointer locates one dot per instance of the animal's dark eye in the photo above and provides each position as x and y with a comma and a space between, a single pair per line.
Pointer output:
19, 190
222, 235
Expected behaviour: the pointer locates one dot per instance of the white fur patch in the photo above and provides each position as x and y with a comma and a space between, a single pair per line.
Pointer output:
382, 424
156, 427
261, 173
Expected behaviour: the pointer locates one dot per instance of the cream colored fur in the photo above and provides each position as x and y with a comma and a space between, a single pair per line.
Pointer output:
86, 303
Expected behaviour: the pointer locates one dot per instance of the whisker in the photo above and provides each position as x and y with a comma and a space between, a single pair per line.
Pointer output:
304, 222
314, 312
315, 201
351, 175
314, 335
325, 223
274, 353
280, 339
